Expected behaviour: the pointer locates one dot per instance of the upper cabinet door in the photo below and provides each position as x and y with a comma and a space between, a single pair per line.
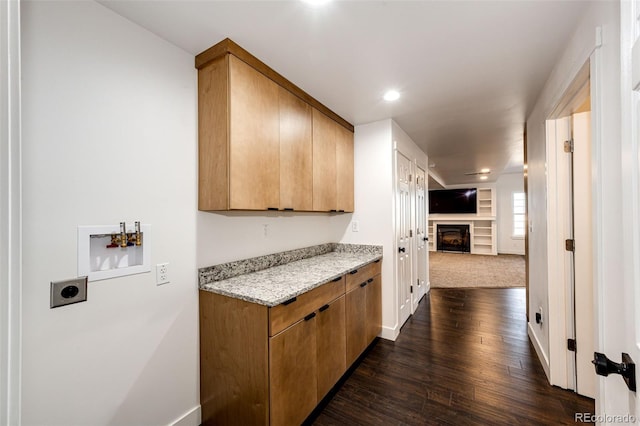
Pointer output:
254, 148
344, 163
296, 170
324, 162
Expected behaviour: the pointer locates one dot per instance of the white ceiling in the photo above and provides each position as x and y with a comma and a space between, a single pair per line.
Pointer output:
469, 72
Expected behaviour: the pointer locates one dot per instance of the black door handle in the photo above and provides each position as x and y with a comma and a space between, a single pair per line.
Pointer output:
627, 368
401, 249
425, 239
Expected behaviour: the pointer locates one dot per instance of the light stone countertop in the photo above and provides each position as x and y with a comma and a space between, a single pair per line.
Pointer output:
275, 285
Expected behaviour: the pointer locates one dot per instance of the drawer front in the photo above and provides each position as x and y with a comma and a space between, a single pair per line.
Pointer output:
362, 274
283, 315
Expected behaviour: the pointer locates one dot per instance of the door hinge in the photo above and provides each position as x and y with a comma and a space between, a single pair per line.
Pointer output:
570, 245
571, 345
410, 178
411, 289
411, 232
568, 146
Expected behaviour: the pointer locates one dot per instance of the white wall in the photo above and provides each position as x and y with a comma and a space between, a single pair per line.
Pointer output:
506, 185
373, 182
223, 237
109, 135
374, 203
606, 181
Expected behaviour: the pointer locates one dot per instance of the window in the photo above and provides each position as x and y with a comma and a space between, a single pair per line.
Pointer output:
519, 220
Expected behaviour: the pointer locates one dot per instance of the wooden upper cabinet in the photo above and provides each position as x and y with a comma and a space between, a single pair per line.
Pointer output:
213, 135
263, 143
344, 164
296, 172
332, 165
254, 155
324, 163
239, 137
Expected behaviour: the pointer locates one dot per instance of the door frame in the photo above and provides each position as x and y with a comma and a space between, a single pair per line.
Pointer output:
10, 215
601, 159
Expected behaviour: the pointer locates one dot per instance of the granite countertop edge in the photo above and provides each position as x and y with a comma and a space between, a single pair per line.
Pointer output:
288, 280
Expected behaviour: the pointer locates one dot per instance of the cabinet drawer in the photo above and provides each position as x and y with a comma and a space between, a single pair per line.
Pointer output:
283, 315
362, 274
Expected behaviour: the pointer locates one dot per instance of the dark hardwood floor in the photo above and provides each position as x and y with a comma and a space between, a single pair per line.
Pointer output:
463, 358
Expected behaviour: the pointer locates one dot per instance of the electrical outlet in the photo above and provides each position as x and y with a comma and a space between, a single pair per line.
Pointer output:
355, 226
162, 273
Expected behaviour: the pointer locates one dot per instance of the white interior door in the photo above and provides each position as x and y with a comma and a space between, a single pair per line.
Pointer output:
422, 252
403, 236
583, 255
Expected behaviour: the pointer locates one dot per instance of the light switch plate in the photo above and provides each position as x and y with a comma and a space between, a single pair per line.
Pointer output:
66, 292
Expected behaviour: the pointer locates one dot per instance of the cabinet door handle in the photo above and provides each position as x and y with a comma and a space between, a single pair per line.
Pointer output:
377, 261
355, 271
288, 209
272, 208
333, 211
363, 284
336, 279
341, 211
290, 301
324, 308
370, 280
311, 315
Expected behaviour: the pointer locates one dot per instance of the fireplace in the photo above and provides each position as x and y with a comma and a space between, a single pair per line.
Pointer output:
453, 238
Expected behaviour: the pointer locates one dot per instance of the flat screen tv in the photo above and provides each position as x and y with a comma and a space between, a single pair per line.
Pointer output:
453, 200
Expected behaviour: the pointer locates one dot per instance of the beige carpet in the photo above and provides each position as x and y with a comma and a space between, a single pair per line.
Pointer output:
447, 270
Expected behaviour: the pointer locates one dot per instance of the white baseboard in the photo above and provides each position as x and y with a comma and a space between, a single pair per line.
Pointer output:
192, 417
390, 333
544, 359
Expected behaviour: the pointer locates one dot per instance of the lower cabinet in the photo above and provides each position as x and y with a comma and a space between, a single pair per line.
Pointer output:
271, 366
305, 361
363, 315
293, 372
373, 314
356, 323
363, 310
331, 343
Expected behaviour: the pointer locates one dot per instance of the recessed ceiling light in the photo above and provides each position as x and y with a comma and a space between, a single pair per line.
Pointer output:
485, 171
484, 177
316, 2
391, 95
